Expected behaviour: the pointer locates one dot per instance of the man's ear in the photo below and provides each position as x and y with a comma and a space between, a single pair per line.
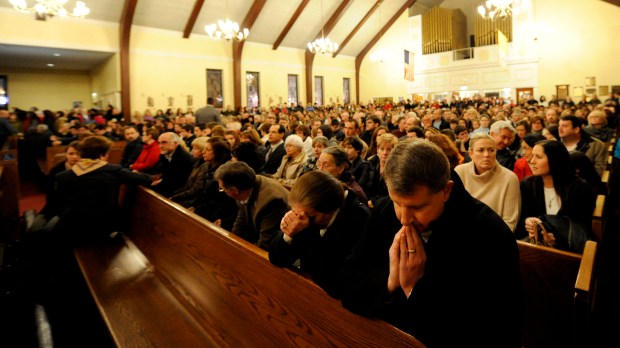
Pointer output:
447, 190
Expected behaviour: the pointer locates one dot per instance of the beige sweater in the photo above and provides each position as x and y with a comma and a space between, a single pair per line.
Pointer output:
498, 188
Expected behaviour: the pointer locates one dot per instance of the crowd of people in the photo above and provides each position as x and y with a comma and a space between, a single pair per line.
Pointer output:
390, 208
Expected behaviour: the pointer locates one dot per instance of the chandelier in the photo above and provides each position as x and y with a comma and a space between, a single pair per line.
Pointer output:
494, 9
51, 8
226, 29
322, 45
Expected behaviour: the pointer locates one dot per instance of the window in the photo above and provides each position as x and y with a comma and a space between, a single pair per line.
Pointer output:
214, 87
318, 90
346, 90
251, 83
292, 89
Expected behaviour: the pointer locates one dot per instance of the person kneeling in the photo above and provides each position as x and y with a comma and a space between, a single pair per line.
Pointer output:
320, 230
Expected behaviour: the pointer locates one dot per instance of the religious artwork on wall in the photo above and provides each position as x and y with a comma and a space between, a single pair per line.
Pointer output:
590, 81
150, 102
170, 102
190, 100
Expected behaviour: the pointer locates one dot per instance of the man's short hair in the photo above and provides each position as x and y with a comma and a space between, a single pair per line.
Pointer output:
201, 126
236, 174
416, 163
210, 100
459, 129
188, 128
356, 124
497, 126
281, 128
355, 142
574, 120
94, 147
375, 120
419, 132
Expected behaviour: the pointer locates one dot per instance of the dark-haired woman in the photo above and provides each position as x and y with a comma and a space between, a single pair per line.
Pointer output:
320, 230
554, 189
213, 204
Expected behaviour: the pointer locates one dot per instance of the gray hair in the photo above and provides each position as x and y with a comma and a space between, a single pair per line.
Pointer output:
416, 163
294, 140
497, 126
320, 139
339, 154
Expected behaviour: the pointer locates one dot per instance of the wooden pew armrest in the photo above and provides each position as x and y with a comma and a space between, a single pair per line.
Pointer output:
585, 276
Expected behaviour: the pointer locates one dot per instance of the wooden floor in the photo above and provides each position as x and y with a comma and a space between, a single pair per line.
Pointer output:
18, 303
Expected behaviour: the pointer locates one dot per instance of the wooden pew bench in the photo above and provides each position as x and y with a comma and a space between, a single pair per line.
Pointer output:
178, 280
558, 294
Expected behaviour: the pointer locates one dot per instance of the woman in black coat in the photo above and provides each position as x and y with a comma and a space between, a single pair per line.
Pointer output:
554, 189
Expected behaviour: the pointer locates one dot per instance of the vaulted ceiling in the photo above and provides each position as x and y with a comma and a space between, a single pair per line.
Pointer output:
279, 23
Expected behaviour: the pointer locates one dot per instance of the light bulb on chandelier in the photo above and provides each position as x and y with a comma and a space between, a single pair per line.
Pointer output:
227, 29
323, 44
51, 8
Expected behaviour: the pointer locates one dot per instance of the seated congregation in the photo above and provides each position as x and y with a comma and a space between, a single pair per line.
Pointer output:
381, 219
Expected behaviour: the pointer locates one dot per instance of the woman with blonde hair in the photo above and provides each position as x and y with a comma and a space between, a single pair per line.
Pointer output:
488, 181
376, 187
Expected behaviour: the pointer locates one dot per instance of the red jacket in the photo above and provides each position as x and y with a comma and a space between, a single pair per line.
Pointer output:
148, 157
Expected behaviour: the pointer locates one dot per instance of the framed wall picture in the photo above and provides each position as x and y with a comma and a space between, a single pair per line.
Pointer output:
590, 81
577, 91
590, 91
561, 91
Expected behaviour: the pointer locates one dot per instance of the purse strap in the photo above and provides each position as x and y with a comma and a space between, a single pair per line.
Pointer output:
544, 233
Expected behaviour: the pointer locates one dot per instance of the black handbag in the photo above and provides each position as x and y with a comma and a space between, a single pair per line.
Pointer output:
569, 235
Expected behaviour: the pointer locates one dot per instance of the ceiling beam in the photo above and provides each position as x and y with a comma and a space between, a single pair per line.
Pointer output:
191, 21
129, 8
309, 56
373, 41
237, 48
290, 24
358, 27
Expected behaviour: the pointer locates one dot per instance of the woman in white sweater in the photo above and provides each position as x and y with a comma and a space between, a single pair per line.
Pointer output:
488, 181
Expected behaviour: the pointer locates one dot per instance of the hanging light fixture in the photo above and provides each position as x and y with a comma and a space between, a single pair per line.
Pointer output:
51, 8
322, 45
379, 54
494, 9
227, 29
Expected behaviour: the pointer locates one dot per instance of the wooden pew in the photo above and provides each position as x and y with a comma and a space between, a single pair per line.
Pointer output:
558, 293
56, 154
597, 218
179, 280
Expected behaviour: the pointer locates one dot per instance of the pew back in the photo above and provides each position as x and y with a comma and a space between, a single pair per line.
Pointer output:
558, 290
226, 289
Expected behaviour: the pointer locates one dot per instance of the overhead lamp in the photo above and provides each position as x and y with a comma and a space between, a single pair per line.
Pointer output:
322, 45
51, 8
494, 9
227, 29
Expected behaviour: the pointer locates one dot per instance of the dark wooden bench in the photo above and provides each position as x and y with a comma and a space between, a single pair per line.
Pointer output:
179, 281
9, 195
558, 294
56, 154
